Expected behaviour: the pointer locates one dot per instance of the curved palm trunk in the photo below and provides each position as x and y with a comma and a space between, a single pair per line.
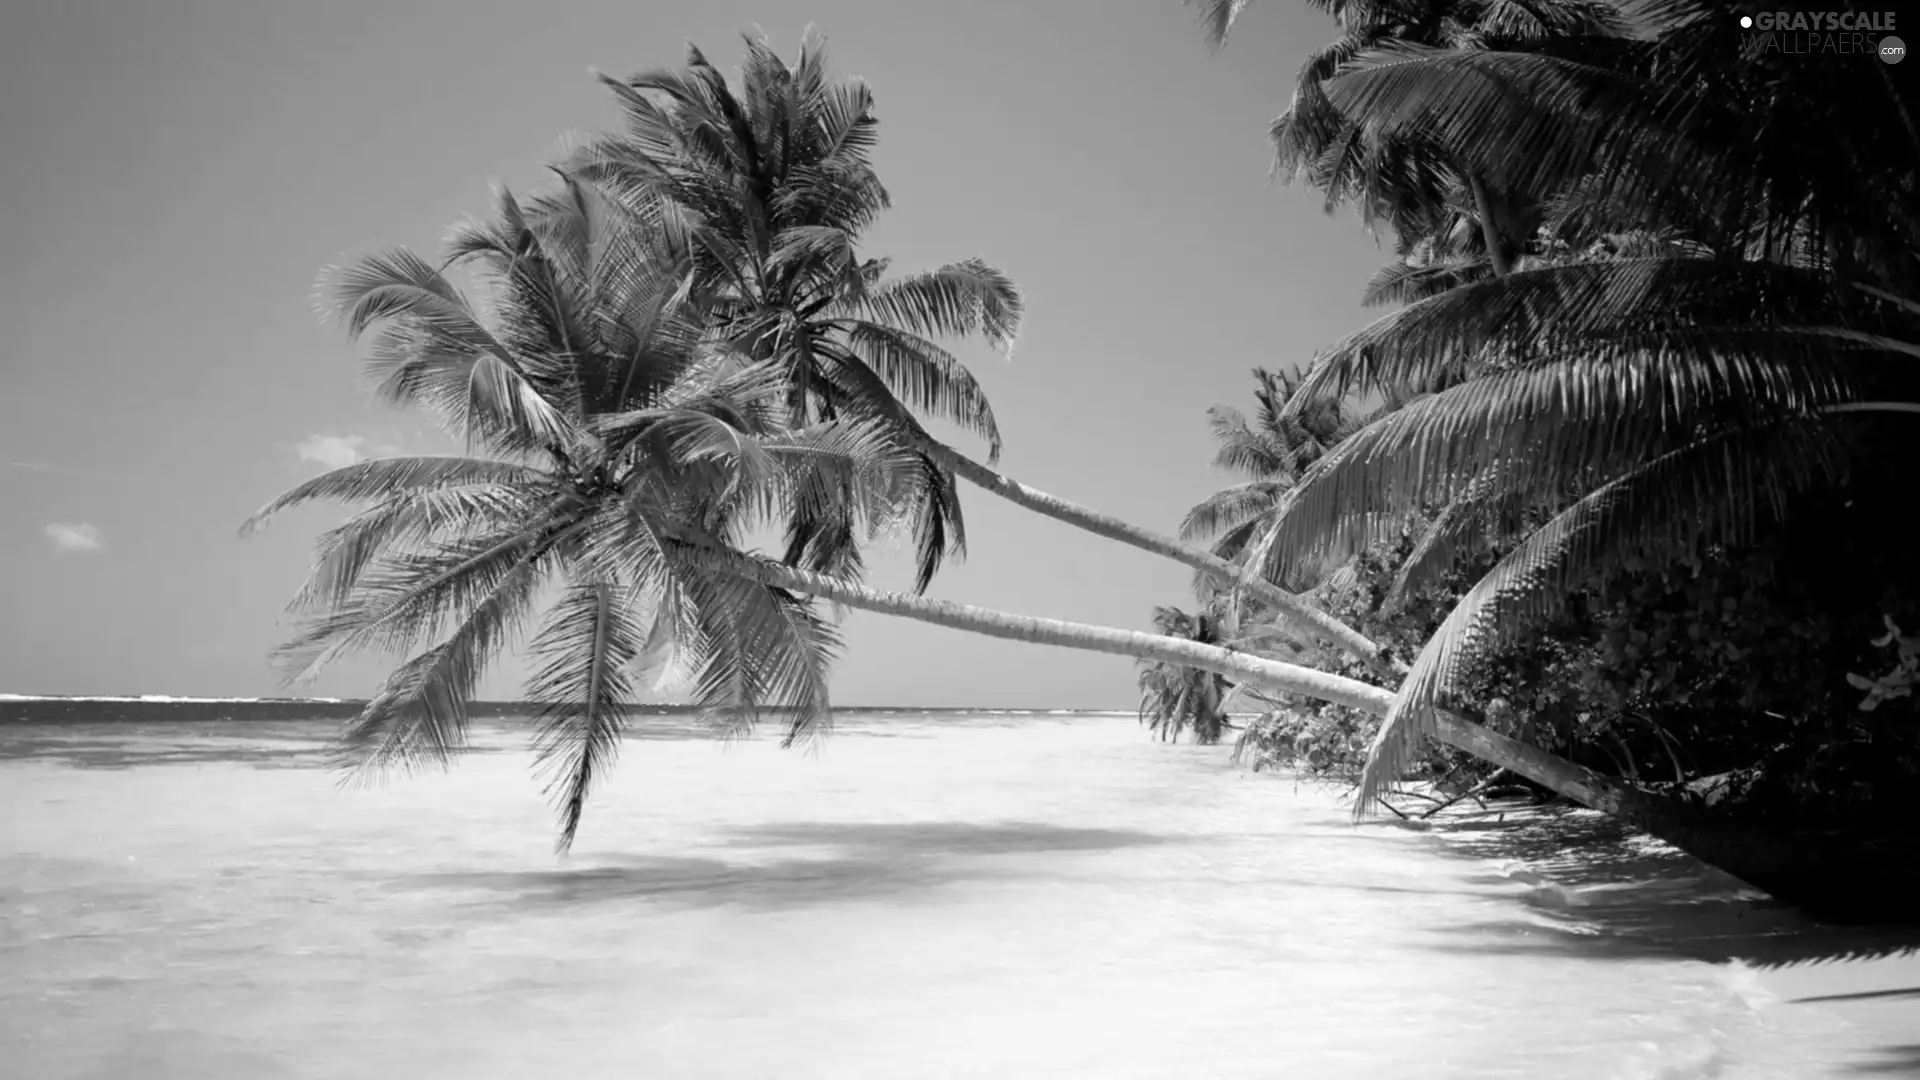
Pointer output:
1576, 782
1300, 612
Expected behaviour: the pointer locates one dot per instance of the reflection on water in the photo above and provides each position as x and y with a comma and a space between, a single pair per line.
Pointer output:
1006, 897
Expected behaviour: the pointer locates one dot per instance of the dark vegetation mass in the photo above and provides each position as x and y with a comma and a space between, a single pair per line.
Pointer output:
1640, 489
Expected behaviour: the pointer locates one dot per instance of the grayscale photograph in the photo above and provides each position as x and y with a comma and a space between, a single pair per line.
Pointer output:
964, 540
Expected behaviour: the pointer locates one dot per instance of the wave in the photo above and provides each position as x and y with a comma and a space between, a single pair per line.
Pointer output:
169, 699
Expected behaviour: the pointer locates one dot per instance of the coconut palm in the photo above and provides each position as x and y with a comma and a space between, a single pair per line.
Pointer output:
1625, 400
1271, 451
600, 435
1174, 697
756, 198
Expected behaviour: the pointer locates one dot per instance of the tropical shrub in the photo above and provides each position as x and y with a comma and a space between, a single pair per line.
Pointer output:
1317, 739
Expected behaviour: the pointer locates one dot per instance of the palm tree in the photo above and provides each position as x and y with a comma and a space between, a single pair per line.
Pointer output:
756, 199
1271, 452
1720, 312
1174, 697
598, 433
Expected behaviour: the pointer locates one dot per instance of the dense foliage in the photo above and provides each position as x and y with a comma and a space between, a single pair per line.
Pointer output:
1648, 312
1731, 679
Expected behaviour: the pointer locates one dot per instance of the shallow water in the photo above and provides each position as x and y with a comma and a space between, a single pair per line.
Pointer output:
922, 897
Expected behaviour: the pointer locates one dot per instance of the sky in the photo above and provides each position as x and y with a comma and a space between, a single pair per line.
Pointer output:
176, 174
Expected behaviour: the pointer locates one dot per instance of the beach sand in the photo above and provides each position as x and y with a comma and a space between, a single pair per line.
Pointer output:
1609, 888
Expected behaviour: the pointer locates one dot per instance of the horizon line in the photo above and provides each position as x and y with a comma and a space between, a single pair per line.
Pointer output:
169, 699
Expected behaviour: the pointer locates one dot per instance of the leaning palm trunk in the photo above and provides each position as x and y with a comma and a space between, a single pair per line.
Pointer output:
1557, 774
1300, 612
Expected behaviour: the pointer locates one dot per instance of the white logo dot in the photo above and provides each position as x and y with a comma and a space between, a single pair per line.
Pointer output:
1746, 21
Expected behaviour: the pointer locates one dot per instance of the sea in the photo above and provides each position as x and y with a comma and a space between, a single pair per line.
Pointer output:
188, 891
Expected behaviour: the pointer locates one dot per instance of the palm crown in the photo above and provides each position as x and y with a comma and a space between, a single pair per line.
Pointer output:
1175, 698
611, 447
756, 198
1272, 451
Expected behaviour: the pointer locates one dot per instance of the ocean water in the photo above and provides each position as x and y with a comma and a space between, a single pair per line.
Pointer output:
921, 895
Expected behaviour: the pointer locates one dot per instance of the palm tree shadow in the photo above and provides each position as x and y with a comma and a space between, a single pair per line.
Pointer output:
906, 839
1592, 886
902, 862
1862, 995
1903, 1060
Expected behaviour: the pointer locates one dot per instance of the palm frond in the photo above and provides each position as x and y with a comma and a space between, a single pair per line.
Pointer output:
825, 253
958, 300
587, 652
407, 596
533, 281
1548, 426
1405, 282
1448, 337
1483, 513
1518, 121
342, 554
763, 649
1231, 508
861, 468
925, 377
420, 714
392, 283
939, 524
1216, 18
939, 528
424, 351
1244, 450
385, 478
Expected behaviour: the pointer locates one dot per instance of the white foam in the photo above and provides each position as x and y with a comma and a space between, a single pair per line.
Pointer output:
1746, 984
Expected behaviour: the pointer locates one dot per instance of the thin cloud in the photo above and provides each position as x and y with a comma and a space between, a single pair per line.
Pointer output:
30, 466
333, 451
75, 538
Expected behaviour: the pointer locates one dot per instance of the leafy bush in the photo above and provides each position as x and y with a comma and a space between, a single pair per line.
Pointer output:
1321, 740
